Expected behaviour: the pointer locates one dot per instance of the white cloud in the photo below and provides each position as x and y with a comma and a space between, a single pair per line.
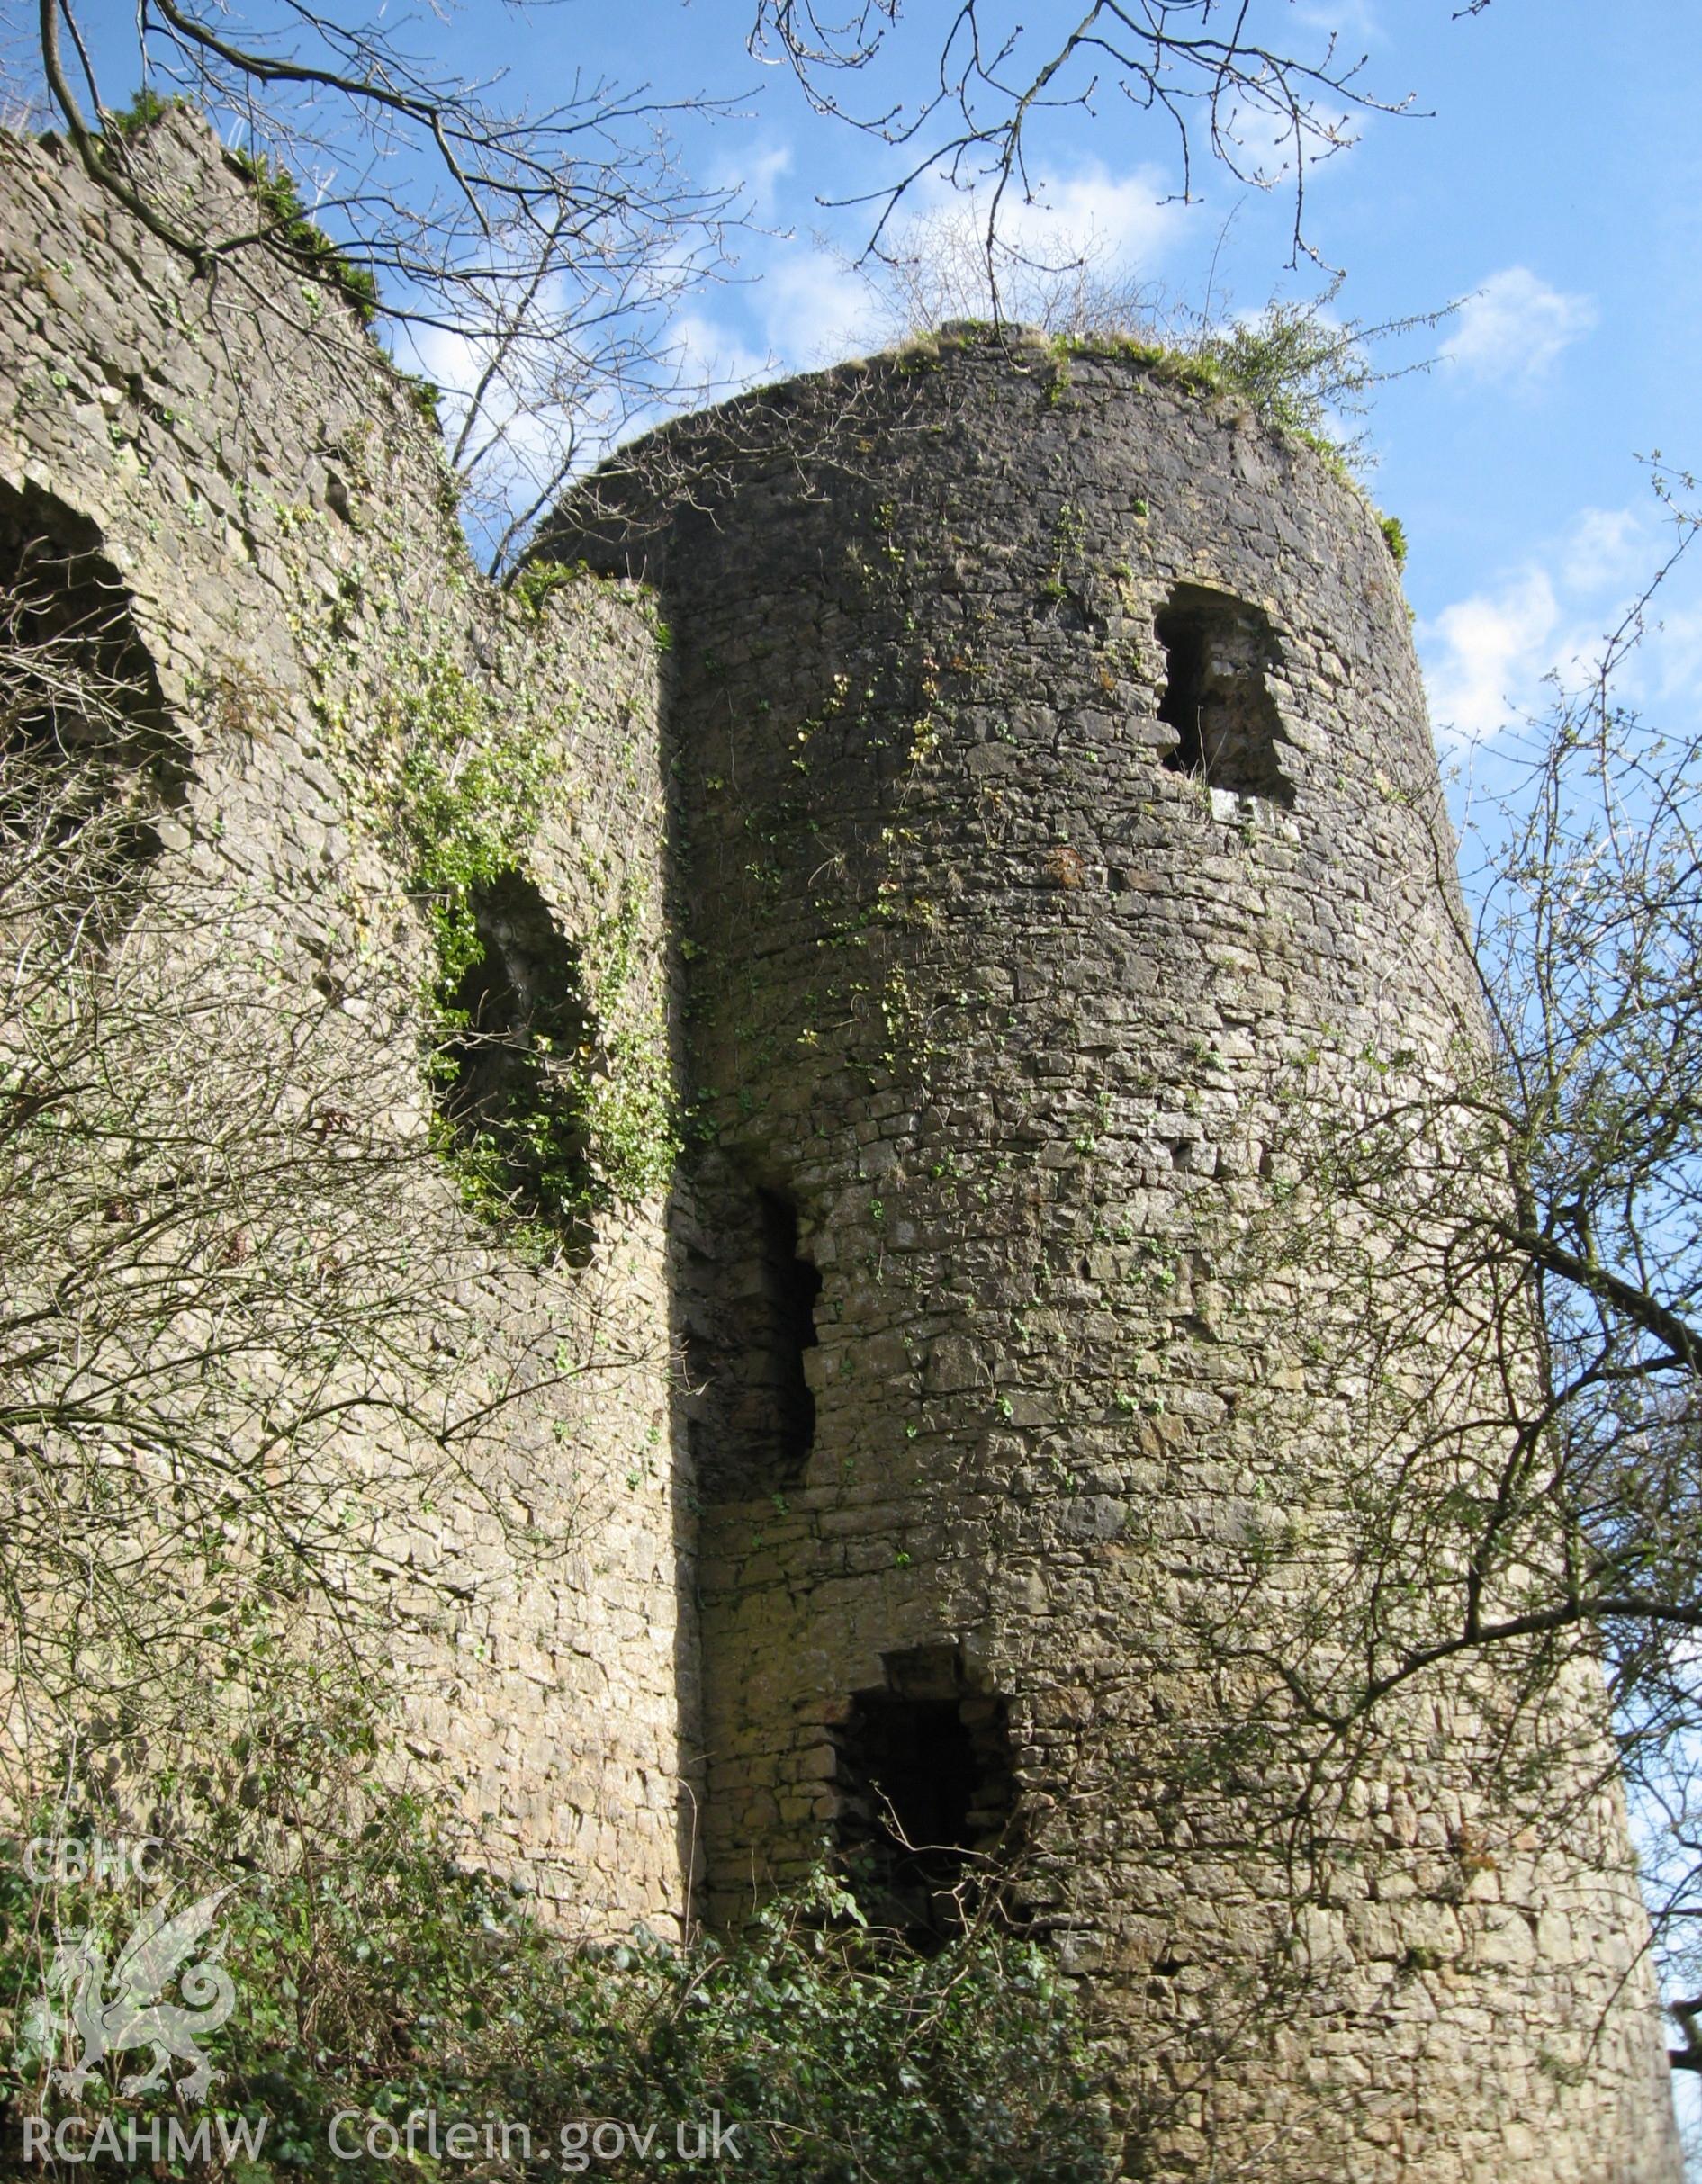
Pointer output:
765, 169
455, 364
1606, 547
806, 308
449, 360
712, 357
816, 310
1512, 330
1674, 645
1483, 656
1086, 242
757, 175
1134, 217
803, 304
1264, 141
1117, 221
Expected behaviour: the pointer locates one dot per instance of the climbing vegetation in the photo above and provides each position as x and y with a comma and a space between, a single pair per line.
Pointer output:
552, 1052
377, 1978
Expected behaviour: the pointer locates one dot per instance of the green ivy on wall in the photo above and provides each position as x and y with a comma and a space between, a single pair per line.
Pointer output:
552, 1080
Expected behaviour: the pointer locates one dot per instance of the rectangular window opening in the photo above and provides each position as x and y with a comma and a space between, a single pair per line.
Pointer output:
1228, 731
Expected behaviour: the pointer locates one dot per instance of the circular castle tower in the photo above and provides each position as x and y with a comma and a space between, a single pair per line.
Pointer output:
1051, 763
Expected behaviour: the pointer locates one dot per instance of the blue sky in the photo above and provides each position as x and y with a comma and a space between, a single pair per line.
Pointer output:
1550, 172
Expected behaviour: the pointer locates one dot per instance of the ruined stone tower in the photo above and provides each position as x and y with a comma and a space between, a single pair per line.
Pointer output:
1053, 761
1034, 761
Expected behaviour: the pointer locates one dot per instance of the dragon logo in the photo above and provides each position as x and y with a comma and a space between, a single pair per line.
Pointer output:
112, 2012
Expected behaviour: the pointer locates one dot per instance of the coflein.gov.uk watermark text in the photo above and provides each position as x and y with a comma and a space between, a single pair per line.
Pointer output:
352, 2135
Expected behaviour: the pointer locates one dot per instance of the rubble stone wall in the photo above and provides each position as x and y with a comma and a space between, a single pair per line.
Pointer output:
1036, 767
1054, 772
260, 491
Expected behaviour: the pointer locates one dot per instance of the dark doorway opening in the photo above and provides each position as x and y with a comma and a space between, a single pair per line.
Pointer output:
927, 1793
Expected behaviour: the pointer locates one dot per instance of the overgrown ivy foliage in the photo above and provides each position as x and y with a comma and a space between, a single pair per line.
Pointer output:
558, 1099
284, 222
385, 1980
468, 796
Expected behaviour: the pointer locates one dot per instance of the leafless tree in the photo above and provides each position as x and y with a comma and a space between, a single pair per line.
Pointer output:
235, 1282
1509, 1239
1222, 77
532, 260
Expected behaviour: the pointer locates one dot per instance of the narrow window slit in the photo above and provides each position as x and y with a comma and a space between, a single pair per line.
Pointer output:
755, 1294
793, 1285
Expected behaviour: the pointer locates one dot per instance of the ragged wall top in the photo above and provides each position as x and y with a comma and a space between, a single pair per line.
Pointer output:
954, 527
233, 463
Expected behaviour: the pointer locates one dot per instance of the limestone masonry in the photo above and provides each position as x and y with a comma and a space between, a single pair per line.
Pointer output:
1007, 761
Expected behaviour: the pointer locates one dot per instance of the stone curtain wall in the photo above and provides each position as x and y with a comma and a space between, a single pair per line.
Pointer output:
277, 518
1052, 767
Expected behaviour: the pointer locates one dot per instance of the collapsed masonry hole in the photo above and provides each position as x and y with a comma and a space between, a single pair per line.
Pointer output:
514, 1070
85, 679
1228, 731
79, 689
756, 1319
926, 1793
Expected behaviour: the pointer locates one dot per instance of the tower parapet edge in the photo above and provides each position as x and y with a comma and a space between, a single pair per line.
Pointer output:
1050, 766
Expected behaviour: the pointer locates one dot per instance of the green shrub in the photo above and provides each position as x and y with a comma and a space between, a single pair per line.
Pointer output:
388, 1980
1298, 369
585, 1118
290, 229
144, 109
